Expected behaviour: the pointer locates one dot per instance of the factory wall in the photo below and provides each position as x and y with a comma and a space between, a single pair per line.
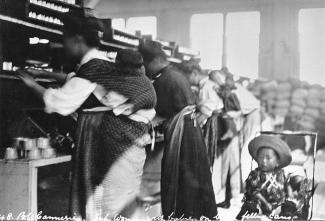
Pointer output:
279, 41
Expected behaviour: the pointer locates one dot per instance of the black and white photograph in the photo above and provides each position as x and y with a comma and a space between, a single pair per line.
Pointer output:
162, 110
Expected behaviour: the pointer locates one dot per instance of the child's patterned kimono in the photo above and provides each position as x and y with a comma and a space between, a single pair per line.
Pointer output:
271, 185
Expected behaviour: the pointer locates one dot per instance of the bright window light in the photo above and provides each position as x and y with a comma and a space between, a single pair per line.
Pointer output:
312, 45
206, 37
118, 23
242, 46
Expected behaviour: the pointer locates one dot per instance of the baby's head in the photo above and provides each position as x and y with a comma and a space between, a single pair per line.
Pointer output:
218, 77
267, 159
270, 152
130, 60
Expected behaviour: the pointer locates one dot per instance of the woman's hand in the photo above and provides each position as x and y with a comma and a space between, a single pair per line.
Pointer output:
127, 109
26, 78
36, 73
269, 207
201, 119
30, 82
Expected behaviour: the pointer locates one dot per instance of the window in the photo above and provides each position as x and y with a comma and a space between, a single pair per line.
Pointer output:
230, 40
147, 25
206, 37
118, 23
312, 45
242, 47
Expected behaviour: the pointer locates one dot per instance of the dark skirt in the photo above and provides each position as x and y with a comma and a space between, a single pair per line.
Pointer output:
100, 189
84, 166
195, 196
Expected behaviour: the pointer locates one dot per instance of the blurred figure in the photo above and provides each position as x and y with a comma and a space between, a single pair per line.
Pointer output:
208, 99
226, 169
186, 186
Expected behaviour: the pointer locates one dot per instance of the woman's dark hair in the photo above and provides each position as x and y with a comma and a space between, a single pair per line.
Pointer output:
90, 28
151, 50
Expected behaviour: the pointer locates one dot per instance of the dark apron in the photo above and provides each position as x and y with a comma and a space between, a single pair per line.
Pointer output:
186, 185
88, 144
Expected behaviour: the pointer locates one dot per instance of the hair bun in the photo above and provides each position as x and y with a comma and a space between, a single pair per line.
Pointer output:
151, 49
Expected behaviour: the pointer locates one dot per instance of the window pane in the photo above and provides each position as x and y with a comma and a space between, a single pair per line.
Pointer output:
312, 45
118, 23
242, 47
206, 37
147, 25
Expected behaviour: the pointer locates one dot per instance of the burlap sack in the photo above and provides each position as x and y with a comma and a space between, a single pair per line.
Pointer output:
269, 86
281, 111
306, 125
313, 102
284, 87
299, 93
322, 110
268, 95
308, 118
282, 104
322, 95
313, 93
285, 95
299, 102
312, 112
297, 110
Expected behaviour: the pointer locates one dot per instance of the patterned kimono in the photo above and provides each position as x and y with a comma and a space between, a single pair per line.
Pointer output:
109, 155
270, 185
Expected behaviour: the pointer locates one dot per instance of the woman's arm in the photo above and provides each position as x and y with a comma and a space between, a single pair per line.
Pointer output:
64, 100
58, 76
31, 83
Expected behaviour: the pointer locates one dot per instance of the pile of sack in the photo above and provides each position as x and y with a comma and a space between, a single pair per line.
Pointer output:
276, 96
282, 99
299, 100
306, 104
320, 124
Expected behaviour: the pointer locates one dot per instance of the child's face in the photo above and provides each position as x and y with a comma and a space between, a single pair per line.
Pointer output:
217, 78
267, 159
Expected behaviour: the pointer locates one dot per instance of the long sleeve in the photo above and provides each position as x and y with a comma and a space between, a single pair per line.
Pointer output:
252, 184
209, 101
69, 98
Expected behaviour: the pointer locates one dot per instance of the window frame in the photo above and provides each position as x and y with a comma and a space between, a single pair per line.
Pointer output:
224, 61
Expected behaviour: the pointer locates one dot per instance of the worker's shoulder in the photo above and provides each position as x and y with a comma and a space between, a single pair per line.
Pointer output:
100, 63
174, 75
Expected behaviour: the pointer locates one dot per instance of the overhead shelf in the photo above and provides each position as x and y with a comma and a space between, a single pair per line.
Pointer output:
28, 24
47, 8
64, 3
113, 45
126, 34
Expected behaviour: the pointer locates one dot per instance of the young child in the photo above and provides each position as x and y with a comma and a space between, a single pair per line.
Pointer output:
127, 90
266, 185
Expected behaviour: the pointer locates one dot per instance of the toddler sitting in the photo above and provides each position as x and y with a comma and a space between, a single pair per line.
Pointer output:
266, 185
